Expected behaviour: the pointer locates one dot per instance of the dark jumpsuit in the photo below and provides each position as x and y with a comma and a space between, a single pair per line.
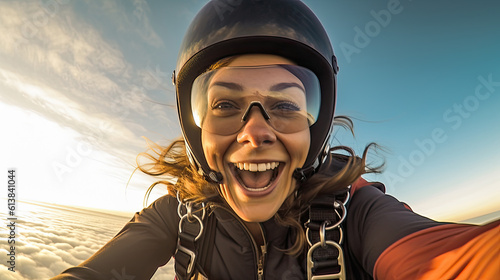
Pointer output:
384, 240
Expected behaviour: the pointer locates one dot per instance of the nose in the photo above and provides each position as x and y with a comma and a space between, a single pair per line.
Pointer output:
256, 130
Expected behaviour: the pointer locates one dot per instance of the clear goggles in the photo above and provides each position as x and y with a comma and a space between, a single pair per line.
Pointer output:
287, 96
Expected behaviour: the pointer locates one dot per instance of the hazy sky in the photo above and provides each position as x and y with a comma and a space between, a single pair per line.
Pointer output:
81, 82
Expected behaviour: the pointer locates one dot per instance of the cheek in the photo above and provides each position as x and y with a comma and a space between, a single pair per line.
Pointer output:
298, 146
214, 147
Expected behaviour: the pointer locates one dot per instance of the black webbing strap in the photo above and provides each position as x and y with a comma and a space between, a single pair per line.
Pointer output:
195, 241
205, 246
324, 234
190, 230
185, 256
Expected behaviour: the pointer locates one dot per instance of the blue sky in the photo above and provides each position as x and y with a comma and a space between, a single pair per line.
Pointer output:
82, 82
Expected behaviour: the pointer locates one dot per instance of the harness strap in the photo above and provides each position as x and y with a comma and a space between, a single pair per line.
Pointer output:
206, 246
191, 228
185, 256
201, 248
324, 233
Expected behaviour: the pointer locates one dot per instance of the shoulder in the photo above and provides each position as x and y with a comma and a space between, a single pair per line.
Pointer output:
361, 182
161, 215
377, 220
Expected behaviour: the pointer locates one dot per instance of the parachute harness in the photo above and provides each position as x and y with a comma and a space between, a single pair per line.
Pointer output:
190, 230
325, 258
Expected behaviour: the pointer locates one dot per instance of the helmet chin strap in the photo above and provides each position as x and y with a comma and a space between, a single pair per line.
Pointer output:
214, 176
304, 173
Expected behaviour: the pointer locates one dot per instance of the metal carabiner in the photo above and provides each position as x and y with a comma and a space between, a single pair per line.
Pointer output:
197, 219
189, 209
342, 216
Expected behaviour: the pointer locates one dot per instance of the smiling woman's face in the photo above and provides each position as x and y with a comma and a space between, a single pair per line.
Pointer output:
257, 161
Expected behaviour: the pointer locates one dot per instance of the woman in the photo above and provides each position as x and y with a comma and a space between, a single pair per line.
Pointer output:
255, 190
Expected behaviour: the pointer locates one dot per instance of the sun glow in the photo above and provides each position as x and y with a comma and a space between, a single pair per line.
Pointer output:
54, 165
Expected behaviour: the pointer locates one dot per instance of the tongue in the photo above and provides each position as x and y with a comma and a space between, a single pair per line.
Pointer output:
256, 180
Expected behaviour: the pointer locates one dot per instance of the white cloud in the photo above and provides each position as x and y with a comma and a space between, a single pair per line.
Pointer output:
30, 269
63, 246
41, 253
8, 275
67, 71
45, 258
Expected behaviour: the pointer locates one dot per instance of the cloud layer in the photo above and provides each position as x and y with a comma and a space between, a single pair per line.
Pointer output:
52, 238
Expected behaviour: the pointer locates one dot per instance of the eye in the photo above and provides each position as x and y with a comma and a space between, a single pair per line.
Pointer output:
225, 108
286, 106
224, 105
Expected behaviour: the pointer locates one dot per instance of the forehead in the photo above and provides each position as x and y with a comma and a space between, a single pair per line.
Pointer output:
259, 59
261, 77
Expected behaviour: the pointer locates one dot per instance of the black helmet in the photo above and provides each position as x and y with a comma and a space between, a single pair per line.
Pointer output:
287, 28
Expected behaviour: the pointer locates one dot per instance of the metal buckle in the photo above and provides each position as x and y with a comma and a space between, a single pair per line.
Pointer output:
192, 257
340, 260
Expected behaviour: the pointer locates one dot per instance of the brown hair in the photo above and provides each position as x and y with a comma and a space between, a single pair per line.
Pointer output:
171, 165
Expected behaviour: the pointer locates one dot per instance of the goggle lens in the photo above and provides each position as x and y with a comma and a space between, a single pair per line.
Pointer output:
288, 97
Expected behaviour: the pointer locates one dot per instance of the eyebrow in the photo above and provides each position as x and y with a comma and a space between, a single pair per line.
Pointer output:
239, 87
281, 86
229, 85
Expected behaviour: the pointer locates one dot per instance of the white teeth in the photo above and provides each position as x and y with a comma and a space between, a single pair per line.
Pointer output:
262, 167
254, 167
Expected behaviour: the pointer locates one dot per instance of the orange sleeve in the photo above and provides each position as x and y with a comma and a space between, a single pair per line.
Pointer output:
450, 251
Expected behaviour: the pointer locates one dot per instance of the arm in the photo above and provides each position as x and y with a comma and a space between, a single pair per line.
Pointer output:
375, 221
455, 251
392, 242
144, 244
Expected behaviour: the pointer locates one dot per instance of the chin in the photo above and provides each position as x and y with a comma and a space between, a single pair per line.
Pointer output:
252, 209
257, 209
255, 216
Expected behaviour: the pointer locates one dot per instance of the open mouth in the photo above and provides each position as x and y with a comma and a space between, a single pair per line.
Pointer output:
256, 177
